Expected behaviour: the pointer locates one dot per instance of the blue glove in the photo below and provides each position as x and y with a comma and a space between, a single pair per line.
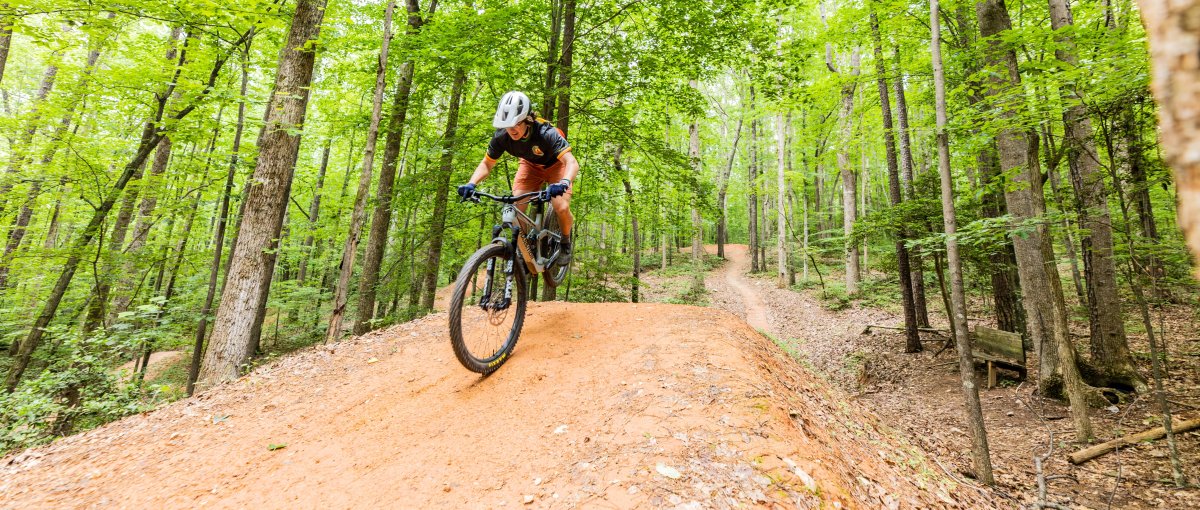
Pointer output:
559, 188
467, 191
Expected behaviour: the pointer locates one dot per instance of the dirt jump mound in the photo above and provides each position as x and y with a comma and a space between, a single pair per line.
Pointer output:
601, 406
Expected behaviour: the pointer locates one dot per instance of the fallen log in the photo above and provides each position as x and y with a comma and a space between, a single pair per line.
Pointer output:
869, 327
1092, 452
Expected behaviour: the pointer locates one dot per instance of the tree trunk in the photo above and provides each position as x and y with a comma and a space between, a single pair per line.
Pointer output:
1040, 285
980, 455
633, 219
552, 56
6, 25
381, 220
906, 173
266, 200
222, 221
752, 185
437, 225
562, 120
358, 216
314, 215
1006, 287
781, 187
51, 240
1109, 346
1174, 43
1130, 130
697, 225
151, 188
1052, 160
722, 192
912, 338
849, 181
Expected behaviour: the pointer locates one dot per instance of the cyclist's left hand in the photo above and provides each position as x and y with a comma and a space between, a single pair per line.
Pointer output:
559, 188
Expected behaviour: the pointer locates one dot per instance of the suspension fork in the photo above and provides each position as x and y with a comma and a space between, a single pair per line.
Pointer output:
514, 262
490, 278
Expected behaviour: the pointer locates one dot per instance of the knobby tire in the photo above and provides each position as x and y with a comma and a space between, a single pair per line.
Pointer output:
486, 363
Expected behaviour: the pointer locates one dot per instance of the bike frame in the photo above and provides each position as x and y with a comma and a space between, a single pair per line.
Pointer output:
519, 223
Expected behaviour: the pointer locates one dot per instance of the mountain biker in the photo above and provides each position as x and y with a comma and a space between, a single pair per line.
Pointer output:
545, 159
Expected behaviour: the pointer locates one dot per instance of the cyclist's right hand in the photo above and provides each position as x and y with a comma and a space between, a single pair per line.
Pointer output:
467, 191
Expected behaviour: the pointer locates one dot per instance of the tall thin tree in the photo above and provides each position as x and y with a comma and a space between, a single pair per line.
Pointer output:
358, 217
980, 454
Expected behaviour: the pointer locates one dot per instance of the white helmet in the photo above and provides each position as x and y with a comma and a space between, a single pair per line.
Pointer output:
513, 109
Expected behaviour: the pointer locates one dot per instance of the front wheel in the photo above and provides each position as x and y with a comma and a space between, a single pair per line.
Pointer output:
487, 309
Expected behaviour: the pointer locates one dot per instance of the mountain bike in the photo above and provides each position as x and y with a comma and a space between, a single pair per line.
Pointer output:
487, 308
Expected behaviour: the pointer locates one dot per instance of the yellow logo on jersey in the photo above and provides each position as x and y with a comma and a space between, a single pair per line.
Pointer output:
537, 151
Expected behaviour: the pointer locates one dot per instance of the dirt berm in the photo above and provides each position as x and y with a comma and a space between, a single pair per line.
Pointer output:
601, 406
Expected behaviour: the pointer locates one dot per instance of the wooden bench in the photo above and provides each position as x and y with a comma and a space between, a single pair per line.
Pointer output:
998, 348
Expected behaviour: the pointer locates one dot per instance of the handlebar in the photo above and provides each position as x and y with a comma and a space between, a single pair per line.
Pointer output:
534, 196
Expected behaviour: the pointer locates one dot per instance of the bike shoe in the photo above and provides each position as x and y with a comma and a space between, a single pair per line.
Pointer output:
564, 253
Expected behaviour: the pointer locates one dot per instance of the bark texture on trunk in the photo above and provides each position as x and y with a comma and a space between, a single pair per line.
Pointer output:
381, 220
222, 221
266, 199
1006, 286
1109, 346
341, 292
906, 173
1173, 30
722, 194
562, 120
437, 225
752, 201
633, 219
1042, 290
781, 187
980, 455
1025, 203
849, 178
6, 25
912, 338
697, 223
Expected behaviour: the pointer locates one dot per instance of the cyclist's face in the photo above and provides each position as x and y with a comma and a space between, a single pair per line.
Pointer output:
518, 131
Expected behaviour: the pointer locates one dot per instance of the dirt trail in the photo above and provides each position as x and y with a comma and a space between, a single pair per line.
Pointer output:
601, 406
755, 310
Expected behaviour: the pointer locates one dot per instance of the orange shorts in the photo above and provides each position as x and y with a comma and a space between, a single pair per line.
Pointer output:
531, 177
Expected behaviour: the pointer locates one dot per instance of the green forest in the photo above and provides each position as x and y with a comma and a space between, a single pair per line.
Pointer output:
238, 181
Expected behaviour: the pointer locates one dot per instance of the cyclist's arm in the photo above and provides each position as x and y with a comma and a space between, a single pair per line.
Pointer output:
485, 168
571, 165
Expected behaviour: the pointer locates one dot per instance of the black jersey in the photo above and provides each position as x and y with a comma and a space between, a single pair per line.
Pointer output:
543, 144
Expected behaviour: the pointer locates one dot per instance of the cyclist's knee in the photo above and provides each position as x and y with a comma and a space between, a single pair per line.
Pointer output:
561, 204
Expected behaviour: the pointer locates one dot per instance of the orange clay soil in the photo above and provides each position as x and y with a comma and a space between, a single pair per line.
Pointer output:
601, 406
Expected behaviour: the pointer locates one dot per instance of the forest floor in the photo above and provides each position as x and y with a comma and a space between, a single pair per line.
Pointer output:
601, 406
919, 395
